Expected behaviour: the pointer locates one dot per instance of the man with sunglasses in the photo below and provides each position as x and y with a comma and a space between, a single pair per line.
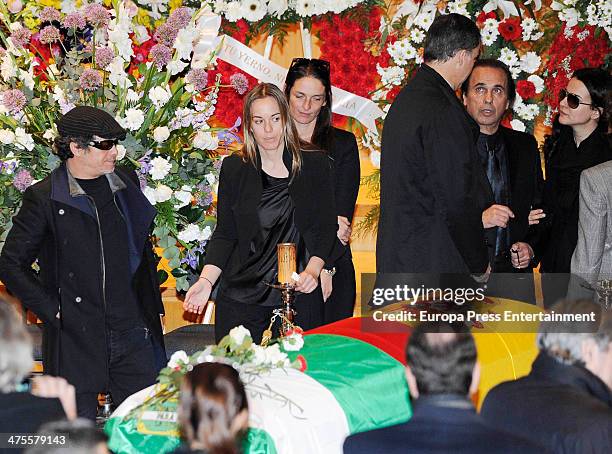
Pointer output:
511, 161
87, 224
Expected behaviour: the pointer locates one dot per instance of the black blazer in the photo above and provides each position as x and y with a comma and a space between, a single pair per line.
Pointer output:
561, 195
433, 188
240, 191
562, 407
346, 171
440, 424
526, 182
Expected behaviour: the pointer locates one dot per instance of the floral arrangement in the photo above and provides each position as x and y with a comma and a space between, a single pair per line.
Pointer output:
165, 101
238, 350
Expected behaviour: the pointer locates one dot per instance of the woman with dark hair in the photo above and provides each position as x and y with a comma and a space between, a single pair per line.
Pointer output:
213, 410
579, 140
308, 90
273, 191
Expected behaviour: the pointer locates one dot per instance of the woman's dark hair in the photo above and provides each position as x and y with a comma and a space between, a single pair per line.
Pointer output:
599, 85
211, 398
61, 146
319, 69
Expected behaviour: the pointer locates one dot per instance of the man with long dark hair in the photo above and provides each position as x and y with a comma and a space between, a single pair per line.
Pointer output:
97, 292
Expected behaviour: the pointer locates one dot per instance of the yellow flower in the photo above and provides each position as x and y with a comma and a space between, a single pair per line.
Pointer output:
107, 3
174, 4
57, 4
159, 22
142, 18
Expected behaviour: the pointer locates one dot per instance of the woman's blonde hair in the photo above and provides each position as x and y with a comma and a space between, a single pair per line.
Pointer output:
290, 135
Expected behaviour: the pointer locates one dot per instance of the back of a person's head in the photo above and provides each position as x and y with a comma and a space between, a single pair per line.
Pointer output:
213, 408
449, 34
562, 339
15, 349
442, 358
79, 436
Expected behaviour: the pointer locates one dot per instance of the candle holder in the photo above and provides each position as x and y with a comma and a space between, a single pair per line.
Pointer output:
286, 270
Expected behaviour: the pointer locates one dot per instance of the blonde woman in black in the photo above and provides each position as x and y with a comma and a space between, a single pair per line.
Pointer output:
273, 191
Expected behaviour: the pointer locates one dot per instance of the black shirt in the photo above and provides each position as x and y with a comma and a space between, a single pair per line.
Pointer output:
245, 282
122, 308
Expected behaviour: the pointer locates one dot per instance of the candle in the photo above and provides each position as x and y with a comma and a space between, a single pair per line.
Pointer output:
286, 262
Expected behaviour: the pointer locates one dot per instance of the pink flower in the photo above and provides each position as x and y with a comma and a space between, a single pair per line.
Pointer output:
104, 56
75, 20
90, 80
14, 100
49, 14
198, 78
180, 17
166, 34
49, 35
97, 15
21, 37
240, 83
160, 55
23, 180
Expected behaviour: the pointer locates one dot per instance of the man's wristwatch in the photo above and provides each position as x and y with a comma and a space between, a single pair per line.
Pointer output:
331, 272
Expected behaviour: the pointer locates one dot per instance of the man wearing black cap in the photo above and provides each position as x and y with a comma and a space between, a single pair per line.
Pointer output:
97, 291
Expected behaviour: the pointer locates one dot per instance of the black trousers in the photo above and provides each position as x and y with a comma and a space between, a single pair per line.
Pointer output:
341, 302
132, 366
229, 314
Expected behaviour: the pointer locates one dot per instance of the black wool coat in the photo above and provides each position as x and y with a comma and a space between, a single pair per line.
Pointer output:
58, 227
433, 188
240, 189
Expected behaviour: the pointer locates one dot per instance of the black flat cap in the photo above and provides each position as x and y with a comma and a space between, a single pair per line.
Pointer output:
87, 121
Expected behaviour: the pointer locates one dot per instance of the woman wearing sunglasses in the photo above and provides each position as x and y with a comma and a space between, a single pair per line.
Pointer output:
308, 90
273, 191
579, 140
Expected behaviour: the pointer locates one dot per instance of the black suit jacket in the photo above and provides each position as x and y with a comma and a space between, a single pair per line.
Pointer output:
345, 155
433, 189
440, 424
240, 189
562, 407
526, 183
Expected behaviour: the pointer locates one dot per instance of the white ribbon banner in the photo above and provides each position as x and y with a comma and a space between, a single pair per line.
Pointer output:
265, 70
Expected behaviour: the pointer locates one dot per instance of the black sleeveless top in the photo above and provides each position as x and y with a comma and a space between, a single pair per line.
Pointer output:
246, 284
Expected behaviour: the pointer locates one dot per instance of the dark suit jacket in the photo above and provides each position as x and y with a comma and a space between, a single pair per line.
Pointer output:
565, 408
433, 189
58, 225
526, 182
346, 173
441, 424
240, 189
564, 165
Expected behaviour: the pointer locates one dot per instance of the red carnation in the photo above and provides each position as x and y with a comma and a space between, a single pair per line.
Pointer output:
484, 16
511, 29
302, 361
525, 89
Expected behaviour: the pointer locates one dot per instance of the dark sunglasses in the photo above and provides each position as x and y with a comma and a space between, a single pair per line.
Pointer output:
573, 101
104, 144
317, 63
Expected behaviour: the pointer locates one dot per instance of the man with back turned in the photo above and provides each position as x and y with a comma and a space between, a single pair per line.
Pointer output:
433, 187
